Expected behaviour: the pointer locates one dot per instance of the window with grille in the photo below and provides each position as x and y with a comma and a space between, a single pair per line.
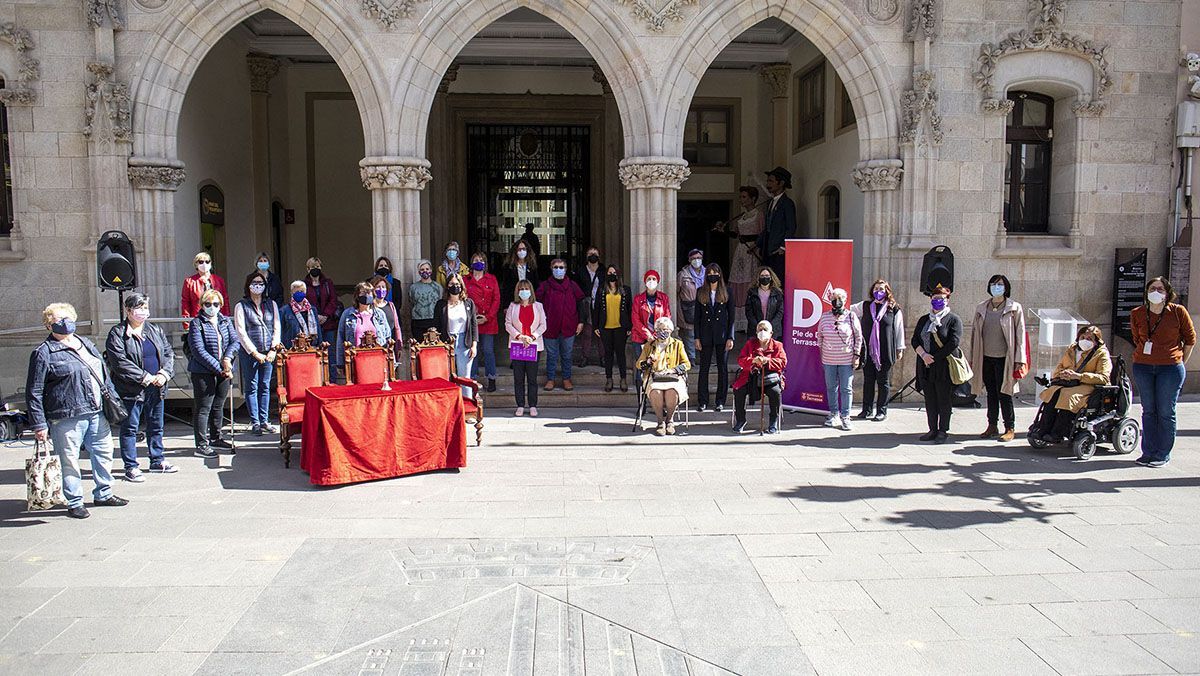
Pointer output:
1029, 136
6, 195
706, 136
831, 211
810, 105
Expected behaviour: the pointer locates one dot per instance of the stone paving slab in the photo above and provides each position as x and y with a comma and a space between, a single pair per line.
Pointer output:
569, 545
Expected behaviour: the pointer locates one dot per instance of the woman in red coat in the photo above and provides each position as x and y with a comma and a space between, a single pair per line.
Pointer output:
648, 307
197, 284
483, 288
763, 358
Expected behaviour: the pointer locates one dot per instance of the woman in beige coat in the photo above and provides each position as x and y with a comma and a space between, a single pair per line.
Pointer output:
998, 354
1086, 363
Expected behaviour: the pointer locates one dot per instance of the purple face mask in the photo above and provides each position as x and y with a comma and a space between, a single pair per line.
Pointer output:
879, 294
938, 304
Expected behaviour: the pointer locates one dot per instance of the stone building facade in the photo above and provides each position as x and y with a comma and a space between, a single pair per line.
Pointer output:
107, 101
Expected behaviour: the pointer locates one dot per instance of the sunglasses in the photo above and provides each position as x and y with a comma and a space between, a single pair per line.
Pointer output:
559, 267
212, 305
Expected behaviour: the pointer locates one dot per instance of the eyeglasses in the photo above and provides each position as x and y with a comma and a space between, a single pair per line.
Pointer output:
558, 267
212, 305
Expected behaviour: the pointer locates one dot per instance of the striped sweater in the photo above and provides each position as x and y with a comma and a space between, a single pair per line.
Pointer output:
840, 338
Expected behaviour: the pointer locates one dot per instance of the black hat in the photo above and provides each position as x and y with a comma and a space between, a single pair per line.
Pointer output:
782, 175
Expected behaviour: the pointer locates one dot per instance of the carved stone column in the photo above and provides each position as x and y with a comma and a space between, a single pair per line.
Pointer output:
154, 181
920, 137
879, 180
262, 69
396, 184
778, 77
653, 184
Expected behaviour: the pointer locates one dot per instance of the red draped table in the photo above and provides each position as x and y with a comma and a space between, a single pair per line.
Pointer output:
361, 432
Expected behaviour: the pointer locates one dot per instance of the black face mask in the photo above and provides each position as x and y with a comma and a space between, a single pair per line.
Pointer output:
593, 259
612, 279
764, 281
454, 289
363, 300
712, 279
382, 272
314, 272
838, 306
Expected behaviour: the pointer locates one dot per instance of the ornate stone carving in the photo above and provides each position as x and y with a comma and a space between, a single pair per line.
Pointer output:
778, 77
394, 172
262, 69
883, 11
106, 106
98, 10
19, 92
922, 21
656, 14
653, 173
1046, 34
878, 175
156, 176
998, 107
1191, 61
151, 5
922, 123
450, 76
598, 78
388, 15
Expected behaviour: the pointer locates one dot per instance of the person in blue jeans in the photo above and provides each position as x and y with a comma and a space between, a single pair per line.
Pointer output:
141, 362
839, 336
256, 320
1163, 339
63, 390
560, 297
456, 317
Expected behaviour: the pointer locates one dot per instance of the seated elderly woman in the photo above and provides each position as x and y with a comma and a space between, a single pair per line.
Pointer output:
762, 361
665, 364
1083, 366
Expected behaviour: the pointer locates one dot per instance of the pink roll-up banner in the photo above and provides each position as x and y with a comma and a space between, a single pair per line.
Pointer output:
812, 269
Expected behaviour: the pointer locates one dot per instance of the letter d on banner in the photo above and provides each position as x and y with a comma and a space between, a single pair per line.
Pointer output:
811, 268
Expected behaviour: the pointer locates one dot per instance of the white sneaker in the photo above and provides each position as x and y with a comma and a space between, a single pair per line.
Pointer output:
831, 421
520, 411
533, 411
845, 425
134, 475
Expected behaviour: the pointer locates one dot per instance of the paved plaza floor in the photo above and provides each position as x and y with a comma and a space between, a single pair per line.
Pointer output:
571, 546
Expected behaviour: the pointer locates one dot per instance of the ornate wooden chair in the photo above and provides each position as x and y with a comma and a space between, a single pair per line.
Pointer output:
300, 367
370, 362
432, 358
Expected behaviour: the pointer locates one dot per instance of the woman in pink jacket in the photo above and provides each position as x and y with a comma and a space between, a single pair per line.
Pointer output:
839, 336
525, 321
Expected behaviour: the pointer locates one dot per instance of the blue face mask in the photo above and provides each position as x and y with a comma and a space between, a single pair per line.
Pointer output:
264, 265
452, 255
478, 266
299, 296
524, 294
997, 290
559, 273
63, 327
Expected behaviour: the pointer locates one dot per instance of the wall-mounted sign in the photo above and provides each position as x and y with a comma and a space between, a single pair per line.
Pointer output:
1129, 283
212, 205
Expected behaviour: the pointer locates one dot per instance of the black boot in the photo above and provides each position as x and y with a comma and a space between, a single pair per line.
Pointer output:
491, 386
867, 412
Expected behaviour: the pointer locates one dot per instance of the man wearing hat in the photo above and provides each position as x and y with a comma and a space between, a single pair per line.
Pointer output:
780, 221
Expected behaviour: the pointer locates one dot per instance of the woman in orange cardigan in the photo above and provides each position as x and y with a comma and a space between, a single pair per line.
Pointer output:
1163, 338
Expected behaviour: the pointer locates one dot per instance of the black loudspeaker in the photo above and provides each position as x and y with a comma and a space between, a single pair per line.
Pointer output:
116, 261
937, 270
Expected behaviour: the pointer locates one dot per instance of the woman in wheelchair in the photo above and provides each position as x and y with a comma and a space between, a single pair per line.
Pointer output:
1084, 365
664, 364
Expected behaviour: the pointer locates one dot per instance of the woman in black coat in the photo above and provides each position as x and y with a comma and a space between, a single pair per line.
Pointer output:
937, 336
613, 334
883, 343
769, 289
712, 325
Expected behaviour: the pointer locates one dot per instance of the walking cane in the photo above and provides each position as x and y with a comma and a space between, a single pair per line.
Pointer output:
762, 402
642, 400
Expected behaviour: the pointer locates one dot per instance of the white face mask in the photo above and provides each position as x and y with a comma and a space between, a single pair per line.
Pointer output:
1085, 344
1156, 297
764, 336
696, 263
651, 285
257, 288
203, 268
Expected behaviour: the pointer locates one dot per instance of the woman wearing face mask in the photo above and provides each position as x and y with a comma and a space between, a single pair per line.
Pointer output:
713, 328
613, 321
521, 265
666, 365
687, 288
322, 295
1083, 366
763, 358
745, 228
383, 268
381, 293
62, 400
274, 286
764, 301
423, 297
525, 322
1163, 338
195, 286
455, 315
356, 321
937, 336
839, 336
299, 317
256, 319
648, 307
483, 288
590, 278
883, 344
561, 297
998, 355
451, 265
141, 361
212, 343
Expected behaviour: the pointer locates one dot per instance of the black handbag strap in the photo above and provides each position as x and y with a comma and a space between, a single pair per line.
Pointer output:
99, 381
1087, 358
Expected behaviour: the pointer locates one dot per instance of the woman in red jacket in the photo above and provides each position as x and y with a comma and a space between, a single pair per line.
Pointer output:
197, 284
648, 307
762, 357
483, 288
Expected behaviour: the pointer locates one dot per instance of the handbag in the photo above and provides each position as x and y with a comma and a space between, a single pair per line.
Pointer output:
519, 352
43, 479
113, 408
960, 368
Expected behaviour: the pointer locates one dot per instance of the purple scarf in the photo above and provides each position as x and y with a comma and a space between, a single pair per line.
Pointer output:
873, 347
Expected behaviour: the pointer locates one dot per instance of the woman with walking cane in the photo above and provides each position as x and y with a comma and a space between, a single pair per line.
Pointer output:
762, 358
